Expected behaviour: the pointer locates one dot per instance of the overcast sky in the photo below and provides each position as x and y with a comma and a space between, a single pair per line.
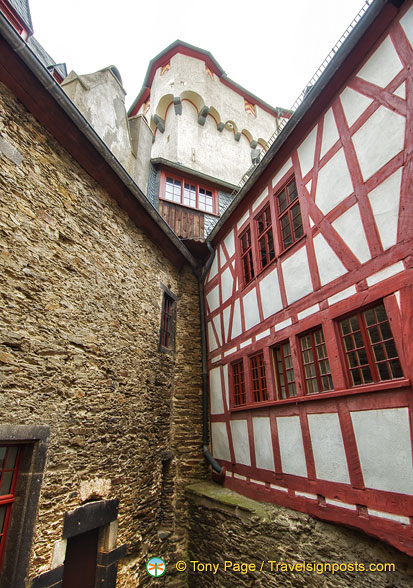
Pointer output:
271, 48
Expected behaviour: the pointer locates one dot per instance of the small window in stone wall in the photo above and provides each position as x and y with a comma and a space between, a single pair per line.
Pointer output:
9, 468
168, 321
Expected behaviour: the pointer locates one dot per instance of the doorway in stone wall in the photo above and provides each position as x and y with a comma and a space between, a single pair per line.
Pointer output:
81, 559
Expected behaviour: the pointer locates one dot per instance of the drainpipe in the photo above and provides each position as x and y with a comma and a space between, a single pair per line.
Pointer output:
205, 388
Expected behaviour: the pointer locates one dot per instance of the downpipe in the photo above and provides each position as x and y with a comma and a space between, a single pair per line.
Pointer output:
205, 384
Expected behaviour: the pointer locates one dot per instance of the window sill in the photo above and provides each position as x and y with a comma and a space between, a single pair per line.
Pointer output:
189, 207
377, 387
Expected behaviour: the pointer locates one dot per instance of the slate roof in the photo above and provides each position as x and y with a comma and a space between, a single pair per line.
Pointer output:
45, 58
21, 7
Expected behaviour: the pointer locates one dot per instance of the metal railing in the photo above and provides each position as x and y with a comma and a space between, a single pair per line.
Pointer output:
307, 89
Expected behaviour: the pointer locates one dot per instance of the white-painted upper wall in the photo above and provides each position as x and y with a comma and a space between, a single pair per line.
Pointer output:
202, 147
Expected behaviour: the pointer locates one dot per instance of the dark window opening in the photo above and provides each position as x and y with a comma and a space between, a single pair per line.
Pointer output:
369, 347
317, 373
289, 214
258, 378
284, 371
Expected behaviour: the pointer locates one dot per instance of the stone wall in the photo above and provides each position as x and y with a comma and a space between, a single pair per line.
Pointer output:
79, 330
225, 526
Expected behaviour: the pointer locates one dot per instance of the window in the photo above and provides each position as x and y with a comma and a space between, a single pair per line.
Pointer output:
317, 374
9, 465
289, 214
369, 347
266, 251
238, 384
284, 372
246, 256
189, 193
167, 334
258, 379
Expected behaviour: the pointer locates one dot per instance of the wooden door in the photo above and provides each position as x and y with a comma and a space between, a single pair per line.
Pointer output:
80, 562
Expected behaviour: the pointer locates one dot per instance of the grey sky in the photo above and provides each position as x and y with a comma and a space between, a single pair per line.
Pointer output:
270, 48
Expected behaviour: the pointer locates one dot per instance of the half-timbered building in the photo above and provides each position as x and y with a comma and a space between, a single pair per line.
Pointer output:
309, 299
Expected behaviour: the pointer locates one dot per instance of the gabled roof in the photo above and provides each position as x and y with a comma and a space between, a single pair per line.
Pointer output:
45, 58
186, 49
21, 7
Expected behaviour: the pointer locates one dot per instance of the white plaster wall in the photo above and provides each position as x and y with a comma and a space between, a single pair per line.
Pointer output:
354, 104
213, 298
217, 324
188, 73
251, 313
281, 173
215, 391
329, 265
260, 199
382, 66
407, 23
334, 183
204, 148
240, 442
306, 152
385, 200
328, 448
226, 383
227, 282
270, 294
291, 446
379, 140
385, 449
297, 277
220, 443
230, 243
264, 457
214, 269
225, 317
330, 132
236, 321
212, 342
166, 144
351, 230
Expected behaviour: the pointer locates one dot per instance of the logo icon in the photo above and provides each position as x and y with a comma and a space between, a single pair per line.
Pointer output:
155, 566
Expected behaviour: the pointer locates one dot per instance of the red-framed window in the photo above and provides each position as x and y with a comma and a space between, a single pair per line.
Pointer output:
289, 214
189, 193
167, 334
258, 378
284, 371
368, 346
266, 252
247, 262
316, 368
9, 469
238, 383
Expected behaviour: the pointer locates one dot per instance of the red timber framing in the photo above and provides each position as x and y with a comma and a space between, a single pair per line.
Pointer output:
346, 264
